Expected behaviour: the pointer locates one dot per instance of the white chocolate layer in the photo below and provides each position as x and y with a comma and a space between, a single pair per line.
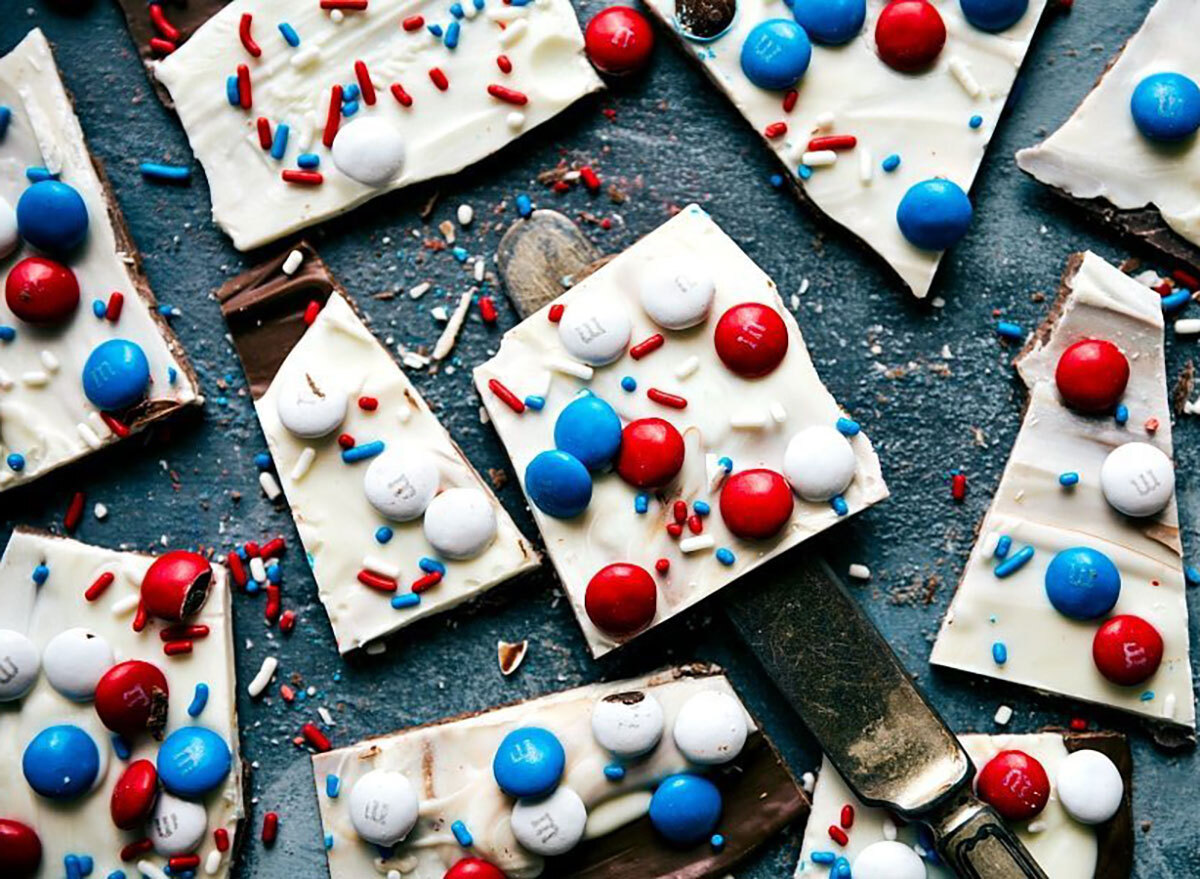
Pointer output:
83, 826
609, 530
42, 423
444, 131
1046, 650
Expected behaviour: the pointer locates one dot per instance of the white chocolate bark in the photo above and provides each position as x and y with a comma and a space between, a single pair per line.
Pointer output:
443, 131
1048, 651
923, 118
337, 523
609, 530
450, 764
52, 423
84, 826
1064, 848
1099, 152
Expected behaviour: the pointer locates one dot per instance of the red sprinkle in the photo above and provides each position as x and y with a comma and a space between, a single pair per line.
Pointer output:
377, 581
775, 129
97, 589
958, 486
1187, 279
287, 621
847, 816
675, 402
288, 694
556, 312
237, 570
264, 132
413, 23
244, 96
116, 301
313, 735
179, 863
674, 529
74, 512
308, 178
511, 400
176, 648
590, 179
134, 849
270, 828
695, 523
401, 95
504, 64
163, 47
487, 309
833, 142
356, 5
1151, 425
346, 441
838, 835
273, 547
333, 117
679, 511
789, 100
221, 839
115, 426
662, 565
246, 38
140, 618
641, 349
273, 605
161, 23
509, 96
364, 82
1078, 724
427, 582
184, 632
439, 78
311, 311
253, 550
560, 186
368, 404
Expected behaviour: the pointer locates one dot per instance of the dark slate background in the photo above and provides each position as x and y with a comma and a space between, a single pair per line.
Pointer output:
665, 139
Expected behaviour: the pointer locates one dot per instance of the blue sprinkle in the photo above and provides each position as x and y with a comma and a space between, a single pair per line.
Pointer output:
86, 865
777, 181
614, 771
456, 10
279, 144
71, 864
975, 121
891, 163
231, 91
351, 92
172, 375
7, 333
263, 460
199, 700
431, 566
361, 453
121, 747
641, 503
478, 4
157, 172
333, 786
349, 108
435, 29
99, 308
459, 253
1192, 574
804, 172
717, 841
520, 2
536, 403
308, 161
252, 587
451, 38
822, 857
848, 427
1009, 330
5, 118
289, 34
1176, 300
524, 205
275, 574
999, 653
16, 462
725, 556
166, 310
701, 508
36, 174
629, 383
117, 874
1003, 545
725, 463
841, 869
1122, 414
1066, 480
383, 534
1014, 563
242, 554
462, 834
406, 599
328, 841
839, 505
41, 574
1147, 696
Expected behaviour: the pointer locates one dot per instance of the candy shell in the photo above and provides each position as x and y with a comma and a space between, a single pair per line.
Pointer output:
474, 868
311, 405
676, 293
134, 794
1127, 650
116, 374
9, 236
685, 808
832, 22
619, 40
888, 859
176, 826
370, 150
934, 214
20, 848
1082, 583
711, 728
751, 339
1166, 106
74, 660
52, 216
589, 429
401, 483
529, 762
1089, 786
621, 599
1015, 785
41, 291
1137, 479
132, 698
383, 807
651, 453
596, 330
61, 762
558, 484
756, 504
176, 585
550, 825
993, 15
1091, 375
819, 463
192, 761
909, 35
628, 724
19, 665
460, 523
776, 54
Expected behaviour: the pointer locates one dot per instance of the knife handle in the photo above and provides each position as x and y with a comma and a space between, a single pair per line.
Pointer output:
976, 844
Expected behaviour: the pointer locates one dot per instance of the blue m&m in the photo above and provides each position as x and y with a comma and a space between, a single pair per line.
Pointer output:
685, 808
192, 761
993, 15
558, 484
1166, 106
61, 762
832, 22
776, 54
1082, 583
934, 214
51, 216
529, 762
116, 374
590, 430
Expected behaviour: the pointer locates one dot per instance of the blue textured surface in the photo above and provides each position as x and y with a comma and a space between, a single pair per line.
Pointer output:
672, 140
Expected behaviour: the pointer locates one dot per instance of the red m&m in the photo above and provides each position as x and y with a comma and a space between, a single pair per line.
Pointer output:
651, 453
1015, 785
751, 339
176, 585
621, 599
133, 795
474, 868
619, 40
131, 698
20, 848
41, 291
756, 504
909, 35
1127, 650
1091, 375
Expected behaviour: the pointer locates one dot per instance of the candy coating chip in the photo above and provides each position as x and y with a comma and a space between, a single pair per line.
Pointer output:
728, 451
62, 775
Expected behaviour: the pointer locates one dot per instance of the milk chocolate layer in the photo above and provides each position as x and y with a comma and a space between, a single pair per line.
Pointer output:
186, 15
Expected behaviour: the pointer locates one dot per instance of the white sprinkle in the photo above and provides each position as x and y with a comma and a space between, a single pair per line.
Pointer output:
889, 829
466, 214
748, 420
823, 120
777, 411
326, 716
1036, 826
124, 606
1187, 326
420, 290
805, 283
381, 566
376, 648
866, 165
404, 413
412, 359
303, 463
101, 429
1003, 715
292, 262
716, 472
152, 871
808, 782
100, 512
50, 361
88, 435
480, 269
270, 485
337, 16
447, 230
265, 673
1168, 709
445, 342
570, 367
515, 120
212, 863
513, 32
439, 313
860, 572
306, 57
697, 543
35, 378
688, 367
818, 158
6, 382
962, 72
258, 569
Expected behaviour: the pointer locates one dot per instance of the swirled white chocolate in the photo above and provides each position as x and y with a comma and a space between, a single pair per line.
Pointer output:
1048, 651
44, 414
83, 826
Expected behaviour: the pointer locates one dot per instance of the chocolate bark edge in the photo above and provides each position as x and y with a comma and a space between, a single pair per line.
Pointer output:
186, 15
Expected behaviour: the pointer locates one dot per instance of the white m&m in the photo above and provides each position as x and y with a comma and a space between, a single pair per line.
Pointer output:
311, 405
550, 825
711, 728
1089, 786
383, 806
595, 330
888, 859
675, 294
18, 665
369, 150
460, 523
819, 463
628, 724
400, 483
1137, 479
176, 826
74, 661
